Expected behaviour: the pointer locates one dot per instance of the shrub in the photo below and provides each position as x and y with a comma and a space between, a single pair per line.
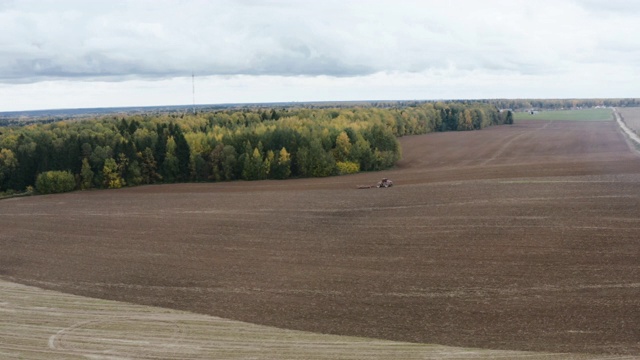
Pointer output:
347, 167
51, 182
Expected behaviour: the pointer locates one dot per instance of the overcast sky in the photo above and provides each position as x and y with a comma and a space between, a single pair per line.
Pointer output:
74, 54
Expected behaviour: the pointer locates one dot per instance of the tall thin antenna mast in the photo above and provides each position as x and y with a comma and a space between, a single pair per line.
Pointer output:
193, 86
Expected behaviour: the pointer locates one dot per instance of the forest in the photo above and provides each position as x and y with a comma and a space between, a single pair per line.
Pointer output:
560, 104
237, 144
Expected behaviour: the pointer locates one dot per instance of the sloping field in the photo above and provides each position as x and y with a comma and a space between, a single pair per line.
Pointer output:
520, 237
41, 324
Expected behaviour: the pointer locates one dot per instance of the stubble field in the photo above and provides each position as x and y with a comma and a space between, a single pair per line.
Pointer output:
600, 114
520, 237
631, 118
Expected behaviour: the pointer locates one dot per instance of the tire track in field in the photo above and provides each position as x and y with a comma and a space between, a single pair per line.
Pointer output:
503, 147
42, 324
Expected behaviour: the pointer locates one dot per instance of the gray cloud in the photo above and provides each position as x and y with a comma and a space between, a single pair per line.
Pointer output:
150, 39
124, 40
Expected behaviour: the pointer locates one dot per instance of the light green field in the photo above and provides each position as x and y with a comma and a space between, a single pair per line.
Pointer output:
567, 115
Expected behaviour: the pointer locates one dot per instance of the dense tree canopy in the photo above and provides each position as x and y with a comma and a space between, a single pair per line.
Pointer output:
249, 144
560, 104
51, 182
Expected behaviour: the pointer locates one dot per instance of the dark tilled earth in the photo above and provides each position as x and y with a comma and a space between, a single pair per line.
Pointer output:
519, 237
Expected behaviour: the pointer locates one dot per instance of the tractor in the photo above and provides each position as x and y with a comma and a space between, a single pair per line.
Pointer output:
385, 183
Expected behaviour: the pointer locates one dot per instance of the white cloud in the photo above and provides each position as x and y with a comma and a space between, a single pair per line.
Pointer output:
296, 45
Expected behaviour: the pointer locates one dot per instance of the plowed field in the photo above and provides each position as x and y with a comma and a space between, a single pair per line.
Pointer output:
523, 237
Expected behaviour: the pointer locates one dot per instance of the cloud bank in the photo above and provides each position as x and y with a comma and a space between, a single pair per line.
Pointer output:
64, 42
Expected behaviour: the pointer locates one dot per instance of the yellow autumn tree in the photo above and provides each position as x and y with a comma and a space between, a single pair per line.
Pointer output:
111, 174
282, 168
465, 121
343, 147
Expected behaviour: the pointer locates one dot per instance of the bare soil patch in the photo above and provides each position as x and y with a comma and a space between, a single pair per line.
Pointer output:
520, 237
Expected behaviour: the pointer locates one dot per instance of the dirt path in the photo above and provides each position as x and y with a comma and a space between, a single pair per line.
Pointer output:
40, 324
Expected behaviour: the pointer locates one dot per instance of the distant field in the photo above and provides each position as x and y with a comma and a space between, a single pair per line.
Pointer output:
631, 118
572, 115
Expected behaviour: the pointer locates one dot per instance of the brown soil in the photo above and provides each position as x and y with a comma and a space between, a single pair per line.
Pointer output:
519, 237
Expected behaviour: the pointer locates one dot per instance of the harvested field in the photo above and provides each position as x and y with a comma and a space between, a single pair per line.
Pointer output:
600, 114
520, 237
631, 118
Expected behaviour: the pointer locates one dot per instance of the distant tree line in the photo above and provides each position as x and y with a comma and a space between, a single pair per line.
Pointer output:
558, 104
49, 116
248, 144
